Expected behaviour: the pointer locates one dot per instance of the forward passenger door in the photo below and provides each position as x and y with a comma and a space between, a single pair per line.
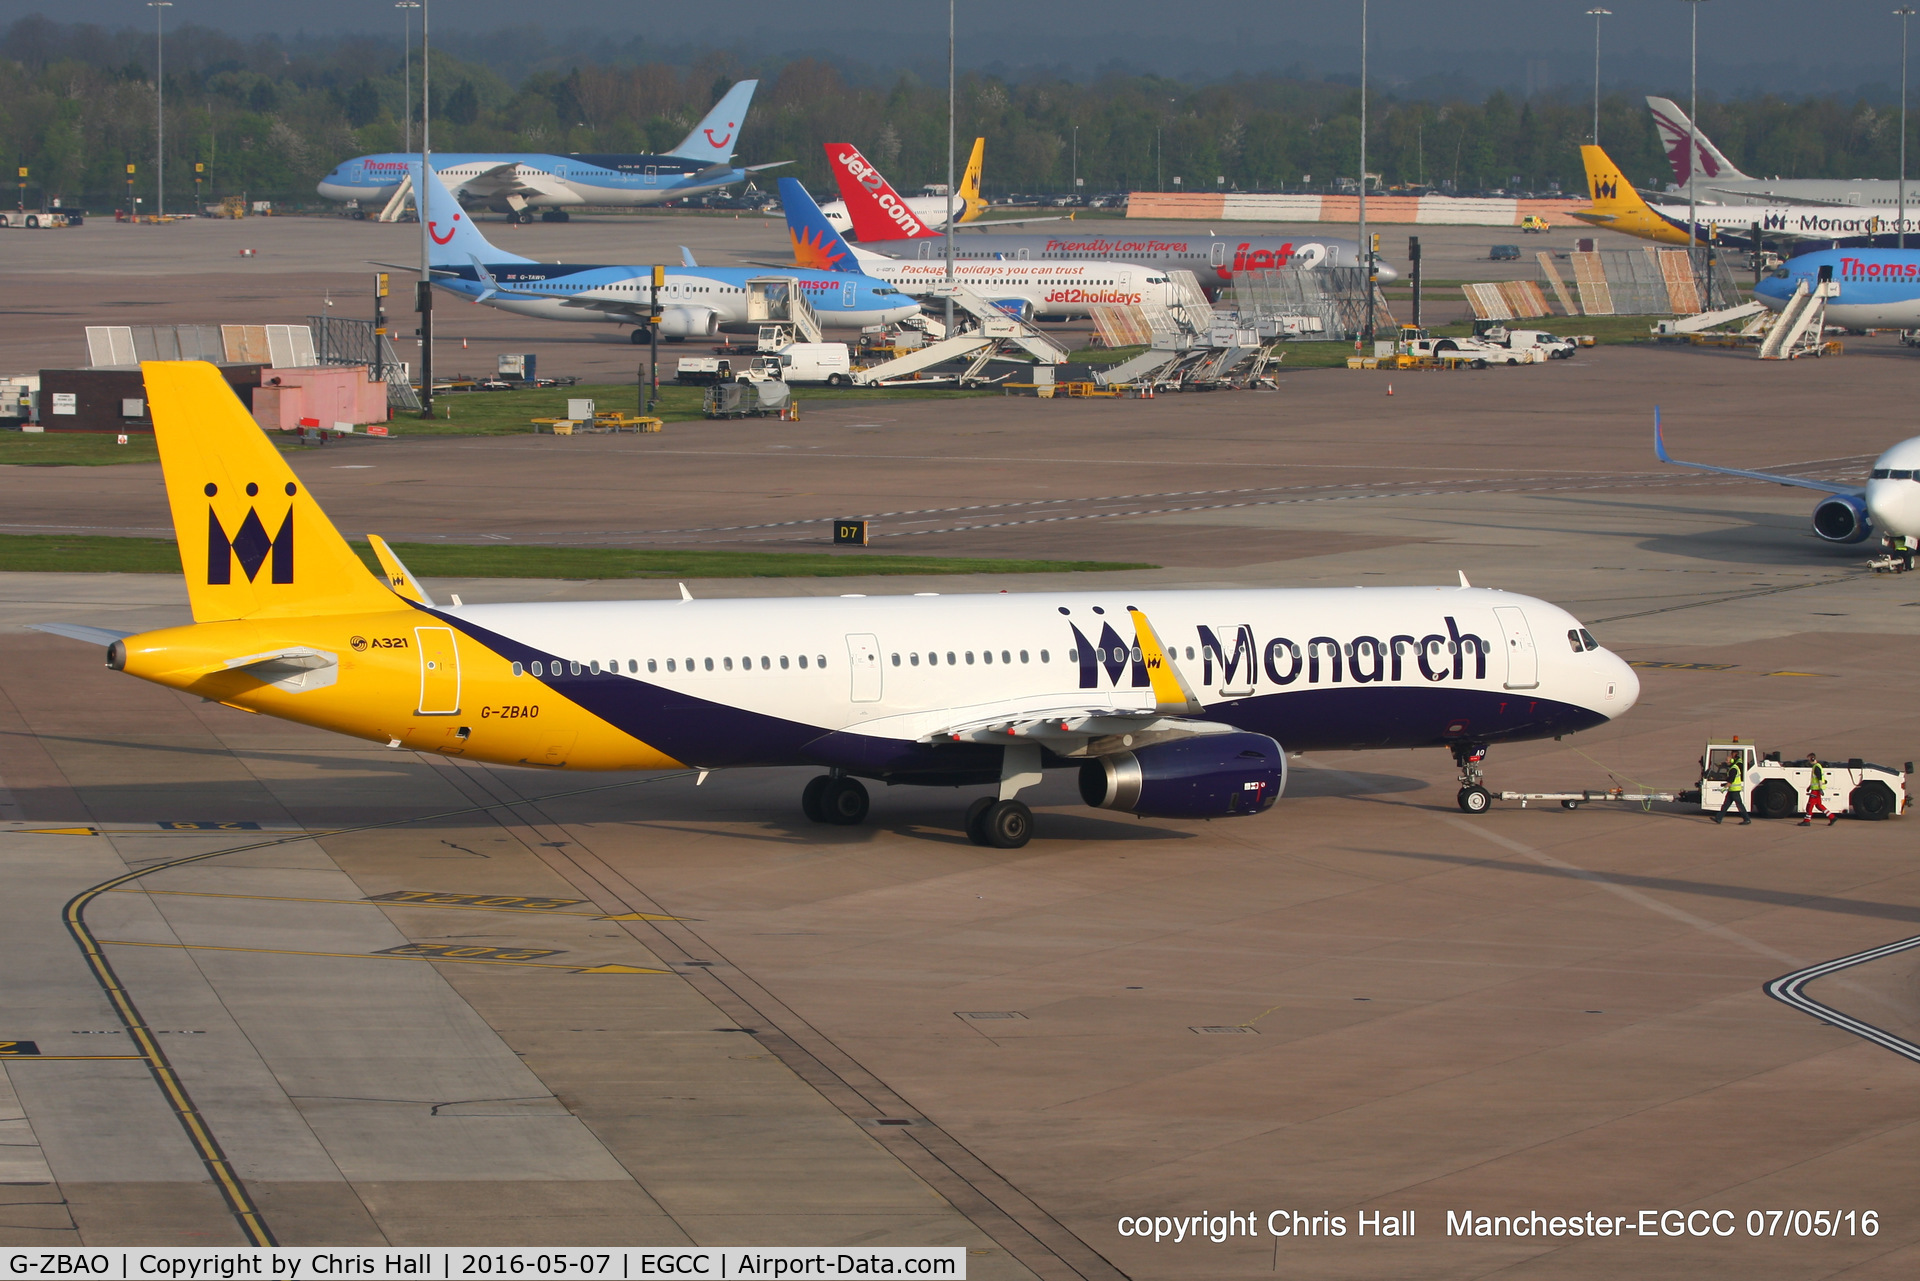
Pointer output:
1523, 662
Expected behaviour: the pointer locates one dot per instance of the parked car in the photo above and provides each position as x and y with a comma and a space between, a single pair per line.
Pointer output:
1504, 253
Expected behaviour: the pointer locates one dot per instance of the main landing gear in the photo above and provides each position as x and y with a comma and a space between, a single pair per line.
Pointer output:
998, 822
1473, 798
836, 799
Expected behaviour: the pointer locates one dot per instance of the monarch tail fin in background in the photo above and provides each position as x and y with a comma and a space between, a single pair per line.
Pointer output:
877, 211
816, 244
970, 204
1617, 206
714, 140
253, 542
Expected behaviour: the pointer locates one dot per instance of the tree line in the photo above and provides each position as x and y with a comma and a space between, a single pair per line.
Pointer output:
268, 120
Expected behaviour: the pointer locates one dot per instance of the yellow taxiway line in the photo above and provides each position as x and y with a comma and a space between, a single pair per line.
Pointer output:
377, 956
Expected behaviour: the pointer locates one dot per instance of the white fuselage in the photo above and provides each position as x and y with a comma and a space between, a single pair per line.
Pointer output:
861, 682
931, 211
1052, 288
1893, 490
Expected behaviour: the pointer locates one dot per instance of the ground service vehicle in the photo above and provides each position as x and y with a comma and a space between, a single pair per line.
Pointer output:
1497, 333
37, 218
703, 369
1534, 222
1777, 789
1477, 351
803, 362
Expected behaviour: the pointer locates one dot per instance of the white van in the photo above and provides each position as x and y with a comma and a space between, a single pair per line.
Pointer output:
804, 362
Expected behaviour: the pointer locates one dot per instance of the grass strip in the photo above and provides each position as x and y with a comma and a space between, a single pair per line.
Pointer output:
97, 554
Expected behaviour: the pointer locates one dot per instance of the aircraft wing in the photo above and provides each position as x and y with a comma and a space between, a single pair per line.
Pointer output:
1777, 198
1796, 482
509, 180
1086, 730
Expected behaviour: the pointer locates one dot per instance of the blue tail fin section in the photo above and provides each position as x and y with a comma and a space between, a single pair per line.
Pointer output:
713, 140
456, 241
815, 243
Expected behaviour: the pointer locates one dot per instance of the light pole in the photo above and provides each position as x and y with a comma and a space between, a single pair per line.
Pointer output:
1903, 13
1693, 127
407, 7
1596, 15
159, 8
1366, 247
949, 226
420, 210
1076, 160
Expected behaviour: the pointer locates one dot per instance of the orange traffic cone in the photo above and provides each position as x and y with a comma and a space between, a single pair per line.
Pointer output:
463, 347
1389, 389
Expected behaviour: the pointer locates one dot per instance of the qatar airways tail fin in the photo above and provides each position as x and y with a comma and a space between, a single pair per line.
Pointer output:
1675, 128
878, 212
712, 140
815, 243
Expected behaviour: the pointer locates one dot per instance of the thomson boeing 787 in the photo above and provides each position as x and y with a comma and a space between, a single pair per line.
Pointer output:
1170, 704
517, 183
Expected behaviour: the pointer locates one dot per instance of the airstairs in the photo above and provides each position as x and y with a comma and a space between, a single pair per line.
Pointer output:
1801, 328
992, 332
402, 198
780, 308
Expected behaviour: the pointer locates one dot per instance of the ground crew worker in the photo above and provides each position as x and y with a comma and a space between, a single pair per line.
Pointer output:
1816, 793
1736, 790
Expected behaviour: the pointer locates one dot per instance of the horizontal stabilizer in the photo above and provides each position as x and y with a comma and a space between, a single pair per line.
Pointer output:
81, 632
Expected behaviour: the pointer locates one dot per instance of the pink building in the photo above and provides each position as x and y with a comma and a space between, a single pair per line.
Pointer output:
318, 395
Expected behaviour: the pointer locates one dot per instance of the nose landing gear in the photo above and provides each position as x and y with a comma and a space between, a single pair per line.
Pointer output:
1473, 798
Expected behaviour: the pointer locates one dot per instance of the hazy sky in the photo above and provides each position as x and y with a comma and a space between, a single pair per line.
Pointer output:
1790, 46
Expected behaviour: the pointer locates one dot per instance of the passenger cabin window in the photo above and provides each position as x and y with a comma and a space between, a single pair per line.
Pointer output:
516, 669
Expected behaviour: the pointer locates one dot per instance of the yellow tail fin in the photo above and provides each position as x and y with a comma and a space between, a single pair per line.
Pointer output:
1617, 206
252, 541
970, 183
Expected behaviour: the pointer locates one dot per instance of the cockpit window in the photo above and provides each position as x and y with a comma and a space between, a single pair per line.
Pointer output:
1587, 636
1900, 473
1573, 639
1780, 273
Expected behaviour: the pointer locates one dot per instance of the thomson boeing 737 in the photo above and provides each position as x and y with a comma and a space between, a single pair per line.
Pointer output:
1166, 704
517, 183
696, 302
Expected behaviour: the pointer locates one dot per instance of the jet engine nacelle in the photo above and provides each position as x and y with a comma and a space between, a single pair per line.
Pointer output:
1209, 776
687, 322
1842, 519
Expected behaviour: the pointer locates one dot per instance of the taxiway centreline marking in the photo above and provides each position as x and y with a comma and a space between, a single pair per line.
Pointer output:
445, 907
375, 956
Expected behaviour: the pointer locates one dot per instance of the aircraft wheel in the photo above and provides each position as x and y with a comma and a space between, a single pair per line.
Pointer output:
1007, 825
1474, 800
638, 337
810, 798
980, 806
844, 802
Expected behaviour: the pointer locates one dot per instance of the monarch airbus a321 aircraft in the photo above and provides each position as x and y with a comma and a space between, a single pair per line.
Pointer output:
1167, 703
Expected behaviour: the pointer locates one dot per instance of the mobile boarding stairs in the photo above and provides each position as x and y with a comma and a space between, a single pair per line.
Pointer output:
988, 333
